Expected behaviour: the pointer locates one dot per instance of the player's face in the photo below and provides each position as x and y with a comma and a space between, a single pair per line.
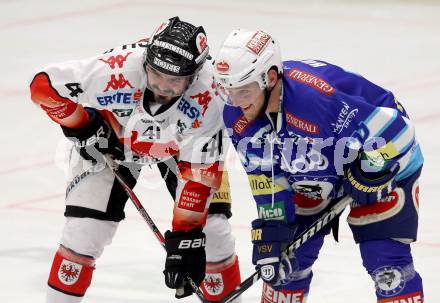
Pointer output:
250, 98
166, 87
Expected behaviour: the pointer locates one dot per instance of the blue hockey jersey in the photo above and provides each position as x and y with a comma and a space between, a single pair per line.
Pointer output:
328, 116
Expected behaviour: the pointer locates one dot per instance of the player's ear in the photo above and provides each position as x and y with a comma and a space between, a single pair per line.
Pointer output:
272, 76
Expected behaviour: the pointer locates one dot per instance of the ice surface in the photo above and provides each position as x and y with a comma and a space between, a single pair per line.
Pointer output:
394, 43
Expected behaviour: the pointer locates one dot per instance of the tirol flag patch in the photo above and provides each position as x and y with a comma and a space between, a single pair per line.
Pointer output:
69, 272
214, 284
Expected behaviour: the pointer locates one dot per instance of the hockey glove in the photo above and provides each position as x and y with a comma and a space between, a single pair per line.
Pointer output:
95, 139
369, 187
185, 255
270, 238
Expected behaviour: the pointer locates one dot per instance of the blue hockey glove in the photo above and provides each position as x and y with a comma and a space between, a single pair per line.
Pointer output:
270, 238
369, 187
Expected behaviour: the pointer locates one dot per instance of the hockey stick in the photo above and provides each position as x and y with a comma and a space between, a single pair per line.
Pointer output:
327, 217
138, 205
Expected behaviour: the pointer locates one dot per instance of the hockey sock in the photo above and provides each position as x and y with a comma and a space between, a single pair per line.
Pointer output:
71, 274
391, 267
221, 279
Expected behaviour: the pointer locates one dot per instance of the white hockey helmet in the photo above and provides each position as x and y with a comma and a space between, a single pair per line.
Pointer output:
246, 56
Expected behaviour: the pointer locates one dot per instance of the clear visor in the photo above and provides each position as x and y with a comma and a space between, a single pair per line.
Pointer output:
166, 85
239, 96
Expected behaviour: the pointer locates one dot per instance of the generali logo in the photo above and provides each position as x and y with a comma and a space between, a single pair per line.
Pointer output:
304, 125
240, 125
258, 42
312, 81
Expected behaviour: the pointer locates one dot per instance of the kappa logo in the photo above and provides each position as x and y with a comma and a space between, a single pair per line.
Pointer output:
69, 272
214, 284
118, 83
203, 99
119, 60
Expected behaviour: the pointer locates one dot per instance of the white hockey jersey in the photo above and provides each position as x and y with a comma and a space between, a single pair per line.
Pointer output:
115, 83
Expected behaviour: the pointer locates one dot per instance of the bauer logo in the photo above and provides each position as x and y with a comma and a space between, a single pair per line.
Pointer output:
266, 211
258, 42
214, 284
69, 272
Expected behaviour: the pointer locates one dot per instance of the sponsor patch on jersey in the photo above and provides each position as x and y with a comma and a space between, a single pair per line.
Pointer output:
214, 284
262, 185
69, 272
271, 295
258, 42
415, 297
301, 124
267, 212
344, 119
311, 81
240, 125
120, 97
121, 112
194, 197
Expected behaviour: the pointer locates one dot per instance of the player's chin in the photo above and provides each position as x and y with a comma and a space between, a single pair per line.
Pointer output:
250, 111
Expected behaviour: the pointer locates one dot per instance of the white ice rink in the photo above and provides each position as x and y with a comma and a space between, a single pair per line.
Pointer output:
394, 43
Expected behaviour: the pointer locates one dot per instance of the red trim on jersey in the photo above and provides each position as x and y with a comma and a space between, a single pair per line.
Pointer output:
207, 174
61, 110
151, 148
415, 297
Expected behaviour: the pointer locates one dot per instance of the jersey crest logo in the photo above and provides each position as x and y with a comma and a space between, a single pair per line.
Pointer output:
113, 60
119, 83
69, 272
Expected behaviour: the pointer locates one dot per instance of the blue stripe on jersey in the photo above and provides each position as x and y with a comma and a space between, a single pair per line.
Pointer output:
390, 121
400, 133
414, 163
372, 115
